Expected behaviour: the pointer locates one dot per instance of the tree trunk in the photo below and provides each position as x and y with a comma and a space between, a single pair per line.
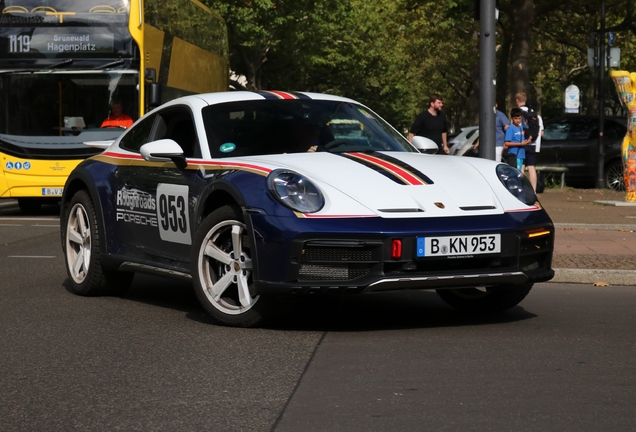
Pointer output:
502, 73
522, 17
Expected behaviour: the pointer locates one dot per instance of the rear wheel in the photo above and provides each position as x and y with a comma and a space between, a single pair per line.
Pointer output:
614, 176
81, 250
485, 300
222, 270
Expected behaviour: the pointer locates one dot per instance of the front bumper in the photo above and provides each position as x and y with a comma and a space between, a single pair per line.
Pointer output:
361, 259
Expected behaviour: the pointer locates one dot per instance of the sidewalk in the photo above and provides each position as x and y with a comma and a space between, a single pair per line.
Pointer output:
595, 235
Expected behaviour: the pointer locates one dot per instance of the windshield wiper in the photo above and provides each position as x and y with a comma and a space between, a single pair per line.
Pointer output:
107, 65
60, 64
55, 66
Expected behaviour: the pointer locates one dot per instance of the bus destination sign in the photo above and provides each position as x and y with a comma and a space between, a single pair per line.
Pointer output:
49, 42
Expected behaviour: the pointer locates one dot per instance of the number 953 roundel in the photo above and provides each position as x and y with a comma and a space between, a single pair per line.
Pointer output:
251, 196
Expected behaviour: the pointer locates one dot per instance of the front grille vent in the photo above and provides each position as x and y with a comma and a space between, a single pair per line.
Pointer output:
336, 254
331, 272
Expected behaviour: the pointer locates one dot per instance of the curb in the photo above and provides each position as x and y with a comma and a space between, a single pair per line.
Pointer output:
596, 227
591, 276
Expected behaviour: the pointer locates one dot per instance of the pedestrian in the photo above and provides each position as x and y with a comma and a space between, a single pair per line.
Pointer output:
501, 125
431, 124
532, 123
515, 140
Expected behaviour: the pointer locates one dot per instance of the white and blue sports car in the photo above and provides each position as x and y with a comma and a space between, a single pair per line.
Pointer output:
253, 195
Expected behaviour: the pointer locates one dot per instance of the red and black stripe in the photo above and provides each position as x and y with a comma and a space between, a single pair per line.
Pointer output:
390, 167
282, 95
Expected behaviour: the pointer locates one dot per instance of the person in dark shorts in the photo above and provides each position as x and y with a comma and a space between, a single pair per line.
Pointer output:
431, 124
531, 154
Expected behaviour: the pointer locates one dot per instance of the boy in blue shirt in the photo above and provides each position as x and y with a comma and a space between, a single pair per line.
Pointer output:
515, 138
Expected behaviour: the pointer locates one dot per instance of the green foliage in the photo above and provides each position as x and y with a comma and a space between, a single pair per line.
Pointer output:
392, 54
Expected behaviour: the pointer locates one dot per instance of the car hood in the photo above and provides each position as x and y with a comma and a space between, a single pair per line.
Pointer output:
400, 184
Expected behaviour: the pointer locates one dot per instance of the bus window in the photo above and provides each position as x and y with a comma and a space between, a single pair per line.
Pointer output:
63, 62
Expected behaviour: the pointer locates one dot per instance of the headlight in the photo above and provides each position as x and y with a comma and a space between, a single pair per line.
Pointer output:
295, 191
516, 183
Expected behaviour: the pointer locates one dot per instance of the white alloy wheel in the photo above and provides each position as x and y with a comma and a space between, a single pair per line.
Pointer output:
78, 243
224, 268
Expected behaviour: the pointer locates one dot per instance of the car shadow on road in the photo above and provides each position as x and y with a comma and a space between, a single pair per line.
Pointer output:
383, 311
351, 313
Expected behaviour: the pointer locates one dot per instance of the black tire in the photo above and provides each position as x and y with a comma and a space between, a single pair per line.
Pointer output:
81, 251
30, 205
614, 176
222, 270
485, 301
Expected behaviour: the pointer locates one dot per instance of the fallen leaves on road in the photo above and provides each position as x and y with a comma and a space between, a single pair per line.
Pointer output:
601, 284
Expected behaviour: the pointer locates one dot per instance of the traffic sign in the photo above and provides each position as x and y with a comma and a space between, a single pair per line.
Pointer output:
611, 38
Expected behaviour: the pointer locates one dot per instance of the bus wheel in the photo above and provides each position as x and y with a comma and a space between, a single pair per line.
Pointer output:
81, 250
29, 205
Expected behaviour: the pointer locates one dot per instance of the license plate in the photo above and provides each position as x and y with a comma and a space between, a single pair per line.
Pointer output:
52, 191
458, 245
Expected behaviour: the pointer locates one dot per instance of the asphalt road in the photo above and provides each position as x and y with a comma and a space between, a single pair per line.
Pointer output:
563, 360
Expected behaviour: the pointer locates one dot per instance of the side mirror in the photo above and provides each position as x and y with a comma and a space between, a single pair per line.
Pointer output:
164, 150
153, 95
424, 145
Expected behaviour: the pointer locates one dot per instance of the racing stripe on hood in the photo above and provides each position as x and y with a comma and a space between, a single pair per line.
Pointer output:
390, 167
275, 94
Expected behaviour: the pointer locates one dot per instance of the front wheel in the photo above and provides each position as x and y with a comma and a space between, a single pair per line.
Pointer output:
485, 300
81, 251
614, 176
222, 270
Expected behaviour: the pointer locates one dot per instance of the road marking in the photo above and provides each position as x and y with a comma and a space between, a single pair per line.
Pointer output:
29, 219
30, 256
11, 225
38, 225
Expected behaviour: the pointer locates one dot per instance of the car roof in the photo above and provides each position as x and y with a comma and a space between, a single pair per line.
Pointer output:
235, 96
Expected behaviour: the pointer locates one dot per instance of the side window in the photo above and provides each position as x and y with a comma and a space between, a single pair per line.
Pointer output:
614, 129
583, 129
557, 131
138, 136
177, 124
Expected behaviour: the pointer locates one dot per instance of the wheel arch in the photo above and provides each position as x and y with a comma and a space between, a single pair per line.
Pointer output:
219, 195
613, 160
225, 193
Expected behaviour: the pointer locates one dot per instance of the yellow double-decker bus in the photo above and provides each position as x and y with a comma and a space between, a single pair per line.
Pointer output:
68, 65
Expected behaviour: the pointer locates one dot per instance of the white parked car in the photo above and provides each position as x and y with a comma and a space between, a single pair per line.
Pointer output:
461, 143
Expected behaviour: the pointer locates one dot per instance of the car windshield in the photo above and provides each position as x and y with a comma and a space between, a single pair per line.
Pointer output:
282, 126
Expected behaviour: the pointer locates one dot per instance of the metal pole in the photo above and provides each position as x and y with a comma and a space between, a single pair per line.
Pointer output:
600, 179
487, 79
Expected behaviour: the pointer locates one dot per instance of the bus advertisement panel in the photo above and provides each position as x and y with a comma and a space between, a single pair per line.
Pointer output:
77, 71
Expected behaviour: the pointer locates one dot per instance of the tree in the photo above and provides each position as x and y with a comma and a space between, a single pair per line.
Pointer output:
392, 54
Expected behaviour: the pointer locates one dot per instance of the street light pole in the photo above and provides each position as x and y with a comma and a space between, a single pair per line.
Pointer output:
600, 179
487, 80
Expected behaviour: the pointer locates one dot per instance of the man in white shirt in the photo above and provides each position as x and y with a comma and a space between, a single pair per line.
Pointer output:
535, 147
